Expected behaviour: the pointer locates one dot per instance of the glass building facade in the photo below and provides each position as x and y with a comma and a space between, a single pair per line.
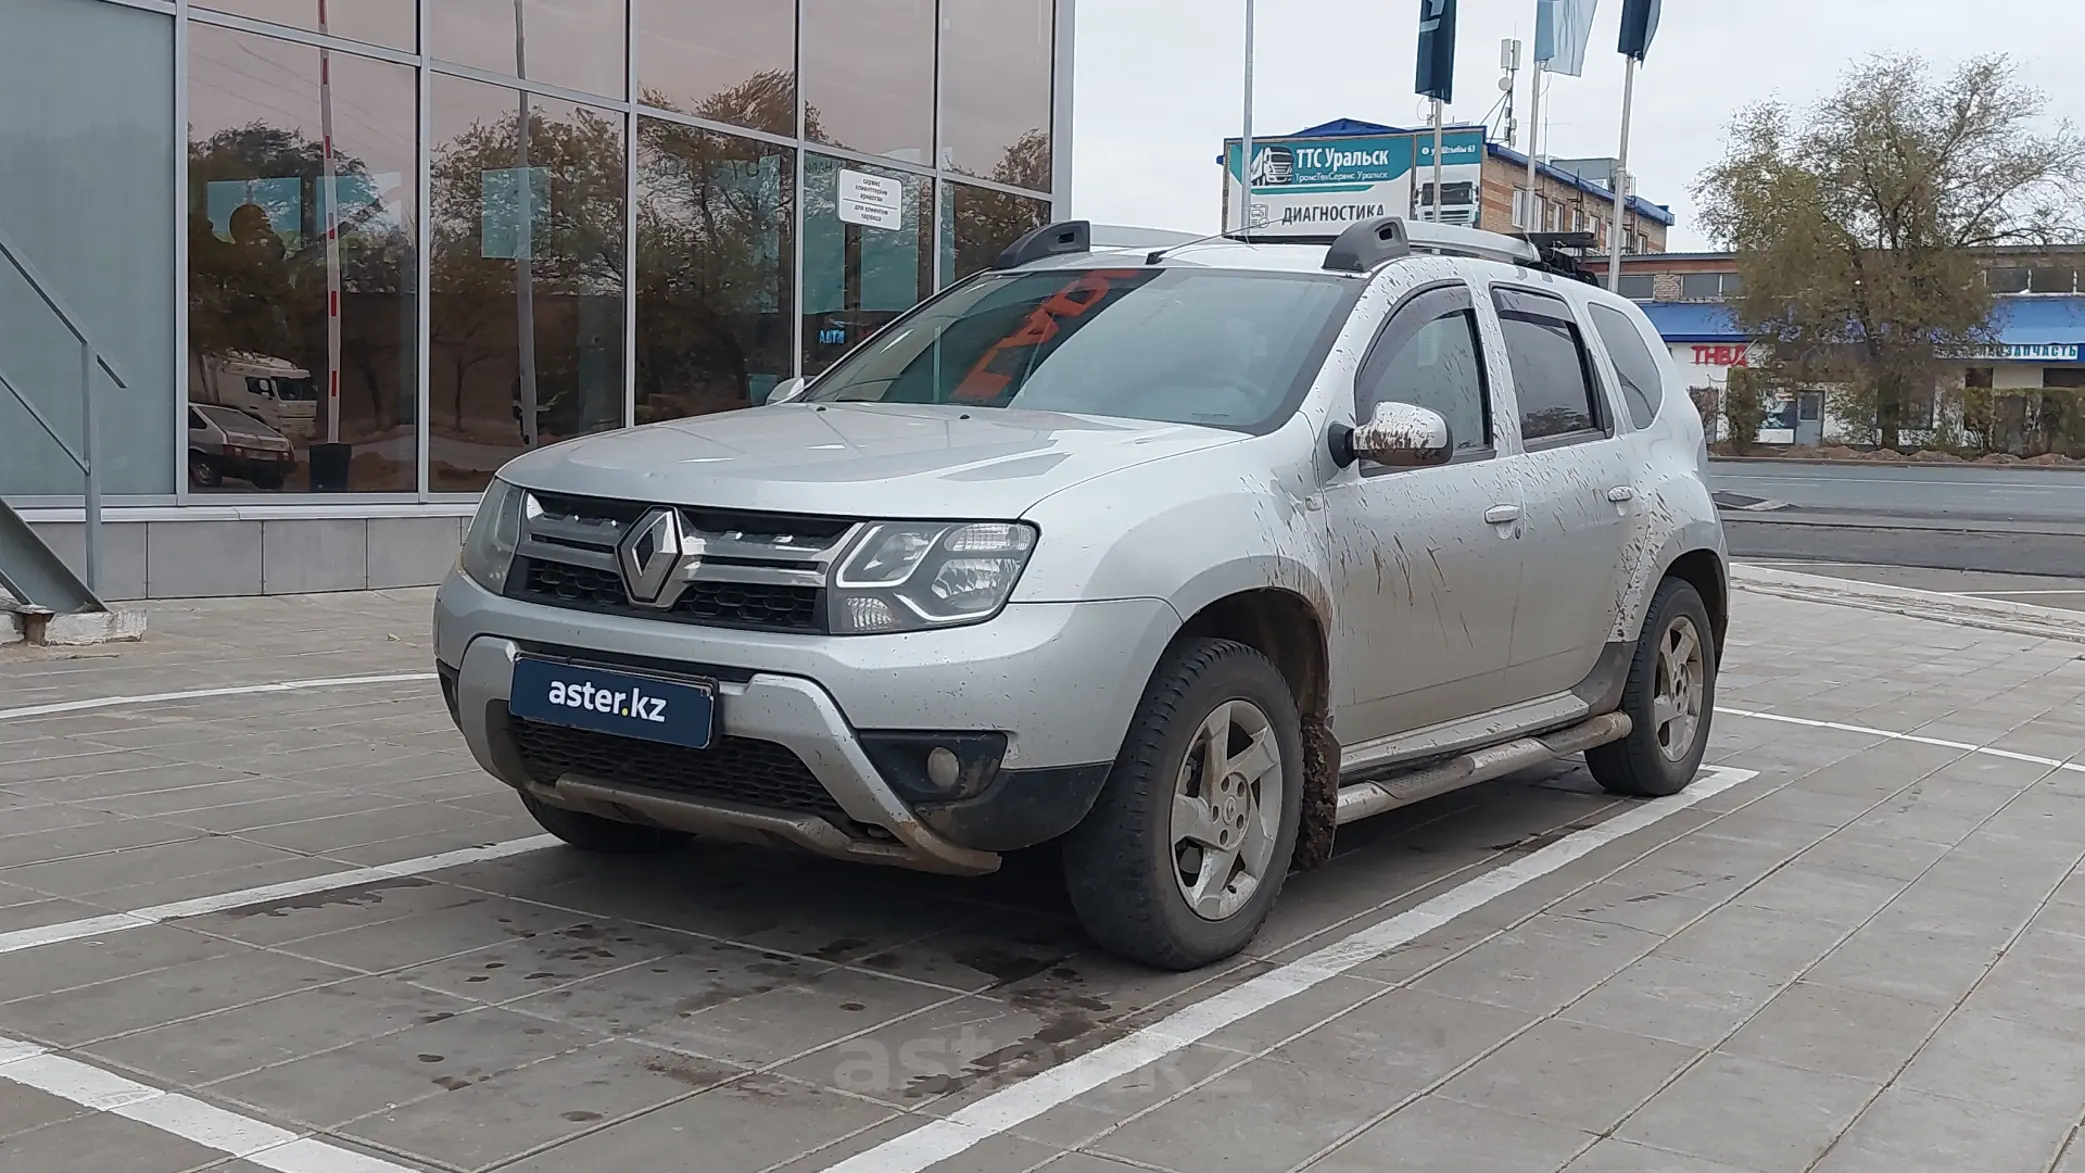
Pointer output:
376, 248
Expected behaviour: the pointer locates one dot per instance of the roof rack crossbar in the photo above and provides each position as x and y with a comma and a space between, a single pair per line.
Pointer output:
1051, 240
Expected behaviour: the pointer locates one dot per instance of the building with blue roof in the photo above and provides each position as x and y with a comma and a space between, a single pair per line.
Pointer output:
2034, 366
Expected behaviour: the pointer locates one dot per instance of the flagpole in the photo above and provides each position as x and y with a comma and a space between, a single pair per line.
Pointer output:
1245, 142
1621, 179
1437, 117
1534, 219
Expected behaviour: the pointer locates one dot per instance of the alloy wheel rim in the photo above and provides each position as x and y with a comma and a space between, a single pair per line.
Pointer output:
1677, 693
1226, 816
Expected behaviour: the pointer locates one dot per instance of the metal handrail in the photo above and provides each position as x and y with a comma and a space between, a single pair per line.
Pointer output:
91, 356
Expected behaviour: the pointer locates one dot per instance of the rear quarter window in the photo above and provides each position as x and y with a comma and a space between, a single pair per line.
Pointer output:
1643, 384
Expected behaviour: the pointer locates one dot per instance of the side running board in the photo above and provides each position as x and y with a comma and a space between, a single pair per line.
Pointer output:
1364, 799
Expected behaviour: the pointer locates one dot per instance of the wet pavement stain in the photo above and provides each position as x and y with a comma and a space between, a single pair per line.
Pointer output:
359, 896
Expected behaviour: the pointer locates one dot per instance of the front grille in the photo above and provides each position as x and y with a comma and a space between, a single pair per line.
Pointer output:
753, 773
709, 603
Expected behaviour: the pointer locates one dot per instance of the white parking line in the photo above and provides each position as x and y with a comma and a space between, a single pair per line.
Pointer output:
110, 702
190, 1119
101, 926
1943, 743
1006, 1109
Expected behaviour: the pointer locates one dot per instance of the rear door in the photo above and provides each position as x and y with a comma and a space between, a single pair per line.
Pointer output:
1427, 562
1577, 486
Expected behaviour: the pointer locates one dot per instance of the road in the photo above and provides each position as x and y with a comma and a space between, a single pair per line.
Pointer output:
1936, 491
2013, 521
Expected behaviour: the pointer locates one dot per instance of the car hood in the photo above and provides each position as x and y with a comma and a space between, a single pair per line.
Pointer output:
858, 459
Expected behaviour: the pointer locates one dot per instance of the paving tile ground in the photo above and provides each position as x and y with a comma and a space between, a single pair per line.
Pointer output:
1865, 957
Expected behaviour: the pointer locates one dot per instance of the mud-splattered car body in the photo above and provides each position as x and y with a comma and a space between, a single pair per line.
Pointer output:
1476, 598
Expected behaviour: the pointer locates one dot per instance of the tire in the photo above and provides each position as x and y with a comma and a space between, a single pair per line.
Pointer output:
267, 482
603, 836
1658, 760
203, 472
1126, 869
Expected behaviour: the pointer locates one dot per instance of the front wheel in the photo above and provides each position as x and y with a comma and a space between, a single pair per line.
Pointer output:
599, 835
1182, 856
1670, 698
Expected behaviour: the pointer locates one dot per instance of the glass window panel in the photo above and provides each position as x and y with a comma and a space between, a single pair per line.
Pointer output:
724, 60
261, 275
2051, 280
2008, 280
996, 75
578, 44
85, 191
391, 23
715, 270
868, 76
867, 253
978, 223
546, 207
1702, 286
1438, 366
1639, 286
1643, 381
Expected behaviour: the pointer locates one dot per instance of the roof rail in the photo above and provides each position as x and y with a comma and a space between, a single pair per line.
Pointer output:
1373, 242
1051, 240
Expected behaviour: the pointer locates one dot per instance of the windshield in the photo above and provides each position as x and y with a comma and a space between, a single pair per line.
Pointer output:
1223, 349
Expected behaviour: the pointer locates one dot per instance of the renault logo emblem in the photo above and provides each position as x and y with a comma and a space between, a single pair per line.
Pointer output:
650, 553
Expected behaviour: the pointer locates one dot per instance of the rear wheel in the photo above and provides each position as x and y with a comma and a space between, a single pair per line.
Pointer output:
1670, 698
599, 835
203, 471
1182, 856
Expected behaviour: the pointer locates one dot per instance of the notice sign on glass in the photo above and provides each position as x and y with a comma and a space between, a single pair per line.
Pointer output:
871, 200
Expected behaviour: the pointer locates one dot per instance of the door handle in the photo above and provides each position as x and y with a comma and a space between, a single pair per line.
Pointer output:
1621, 493
1501, 514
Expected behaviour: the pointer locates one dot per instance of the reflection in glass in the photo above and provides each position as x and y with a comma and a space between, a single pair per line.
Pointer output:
262, 275
527, 309
714, 270
724, 60
578, 44
867, 253
868, 76
996, 87
978, 223
390, 23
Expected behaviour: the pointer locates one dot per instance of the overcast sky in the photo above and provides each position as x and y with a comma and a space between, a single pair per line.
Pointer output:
1159, 81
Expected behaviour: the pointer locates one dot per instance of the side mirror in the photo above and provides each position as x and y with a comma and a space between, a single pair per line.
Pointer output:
1399, 435
787, 390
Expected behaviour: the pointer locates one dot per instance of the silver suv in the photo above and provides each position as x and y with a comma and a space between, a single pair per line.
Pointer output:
1176, 559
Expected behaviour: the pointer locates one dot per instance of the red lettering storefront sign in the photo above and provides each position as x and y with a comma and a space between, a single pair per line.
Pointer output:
1721, 356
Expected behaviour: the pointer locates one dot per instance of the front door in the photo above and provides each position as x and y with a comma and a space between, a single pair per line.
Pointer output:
1809, 419
1578, 488
1426, 560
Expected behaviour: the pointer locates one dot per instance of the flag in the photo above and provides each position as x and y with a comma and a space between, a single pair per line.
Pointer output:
1639, 25
1563, 29
1437, 50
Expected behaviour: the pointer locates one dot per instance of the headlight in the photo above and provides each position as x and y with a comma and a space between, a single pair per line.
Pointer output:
488, 553
904, 576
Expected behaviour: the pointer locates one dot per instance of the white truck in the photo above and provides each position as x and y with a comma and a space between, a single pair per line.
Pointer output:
272, 390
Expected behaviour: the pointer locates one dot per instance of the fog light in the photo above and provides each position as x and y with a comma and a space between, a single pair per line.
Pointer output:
944, 769
935, 767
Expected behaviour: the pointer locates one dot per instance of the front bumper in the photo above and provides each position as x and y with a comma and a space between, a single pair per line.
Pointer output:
1062, 680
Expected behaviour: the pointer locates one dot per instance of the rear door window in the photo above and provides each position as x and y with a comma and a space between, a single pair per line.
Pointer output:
1643, 386
1552, 373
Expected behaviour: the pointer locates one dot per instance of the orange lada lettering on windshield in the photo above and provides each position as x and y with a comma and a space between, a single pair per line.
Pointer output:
989, 379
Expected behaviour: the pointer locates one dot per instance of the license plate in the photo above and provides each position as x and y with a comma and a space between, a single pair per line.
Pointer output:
627, 704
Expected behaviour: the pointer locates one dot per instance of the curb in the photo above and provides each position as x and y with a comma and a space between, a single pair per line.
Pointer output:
1989, 614
2018, 467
